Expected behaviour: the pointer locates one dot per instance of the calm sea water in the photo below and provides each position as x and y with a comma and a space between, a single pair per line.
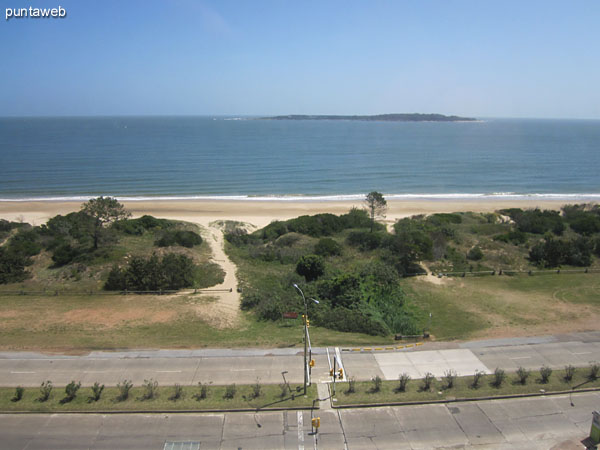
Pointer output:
217, 157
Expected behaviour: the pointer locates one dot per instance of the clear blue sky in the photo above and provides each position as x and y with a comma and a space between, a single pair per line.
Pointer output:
477, 58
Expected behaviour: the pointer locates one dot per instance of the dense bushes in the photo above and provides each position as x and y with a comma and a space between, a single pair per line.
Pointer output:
536, 221
179, 237
12, 266
171, 272
556, 252
141, 225
328, 247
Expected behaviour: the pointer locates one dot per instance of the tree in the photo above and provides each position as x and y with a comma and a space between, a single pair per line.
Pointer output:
310, 267
376, 206
104, 210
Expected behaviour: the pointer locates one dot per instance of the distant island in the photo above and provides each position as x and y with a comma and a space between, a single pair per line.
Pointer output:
415, 117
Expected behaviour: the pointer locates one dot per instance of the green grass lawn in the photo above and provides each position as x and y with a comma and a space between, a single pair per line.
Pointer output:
462, 389
270, 397
476, 306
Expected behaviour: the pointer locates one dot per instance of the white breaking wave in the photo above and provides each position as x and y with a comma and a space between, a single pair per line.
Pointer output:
324, 198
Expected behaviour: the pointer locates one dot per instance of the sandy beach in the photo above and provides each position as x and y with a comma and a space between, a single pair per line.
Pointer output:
261, 213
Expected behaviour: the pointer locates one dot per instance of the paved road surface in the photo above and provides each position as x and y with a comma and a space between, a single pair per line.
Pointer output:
536, 423
222, 366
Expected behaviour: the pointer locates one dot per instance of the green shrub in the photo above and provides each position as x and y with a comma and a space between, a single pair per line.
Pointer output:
12, 267
499, 377
522, 375
545, 373
71, 391
328, 247
376, 380
45, 390
569, 372
150, 389
230, 391
403, 380
515, 237
365, 240
124, 387
310, 267
556, 252
97, 389
427, 381
351, 386
477, 379
594, 370
179, 237
475, 254
256, 389
177, 392
18, 394
141, 225
536, 221
203, 392
171, 272
450, 378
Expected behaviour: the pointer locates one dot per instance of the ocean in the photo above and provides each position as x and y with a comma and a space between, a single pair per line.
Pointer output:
240, 158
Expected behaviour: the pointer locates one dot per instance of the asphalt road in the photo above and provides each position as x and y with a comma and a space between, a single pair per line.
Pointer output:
535, 423
224, 366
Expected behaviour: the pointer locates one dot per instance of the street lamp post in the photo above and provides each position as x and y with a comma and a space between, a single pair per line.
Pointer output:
305, 335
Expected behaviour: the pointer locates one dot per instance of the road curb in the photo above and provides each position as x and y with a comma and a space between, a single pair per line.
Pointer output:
166, 411
460, 400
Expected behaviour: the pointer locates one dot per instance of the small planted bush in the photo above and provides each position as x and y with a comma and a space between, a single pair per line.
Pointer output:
449, 378
376, 380
177, 392
499, 377
18, 394
71, 391
403, 380
351, 385
427, 381
594, 371
97, 389
569, 372
545, 373
203, 392
522, 375
45, 390
124, 388
230, 391
150, 389
477, 379
256, 389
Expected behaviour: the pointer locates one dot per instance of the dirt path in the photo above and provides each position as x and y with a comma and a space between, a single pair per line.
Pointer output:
225, 311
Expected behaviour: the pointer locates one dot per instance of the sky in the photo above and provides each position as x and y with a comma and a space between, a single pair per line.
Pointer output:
538, 59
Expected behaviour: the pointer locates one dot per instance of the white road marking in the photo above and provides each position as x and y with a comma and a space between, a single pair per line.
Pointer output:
95, 371
300, 431
22, 372
168, 371
582, 353
521, 357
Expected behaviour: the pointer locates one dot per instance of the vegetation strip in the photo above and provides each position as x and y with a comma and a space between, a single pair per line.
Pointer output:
451, 388
458, 400
152, 398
